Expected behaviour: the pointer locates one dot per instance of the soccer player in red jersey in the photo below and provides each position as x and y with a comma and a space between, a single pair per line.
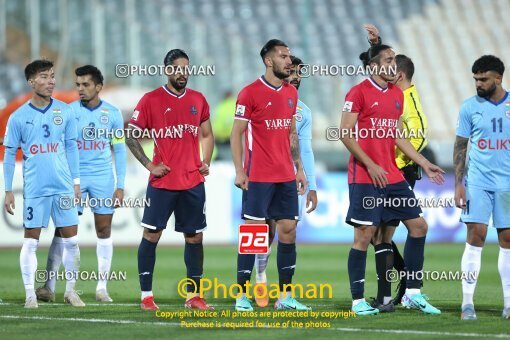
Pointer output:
372, 116
265, 115
176, 116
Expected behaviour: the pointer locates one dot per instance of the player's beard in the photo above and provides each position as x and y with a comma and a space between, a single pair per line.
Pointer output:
177, 85
281, 74
486, 93
295, 83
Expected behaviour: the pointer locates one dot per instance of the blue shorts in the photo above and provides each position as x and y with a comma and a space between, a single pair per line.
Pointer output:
99, 189
187, 205
481, 204
275, 201
369, 205
37, 211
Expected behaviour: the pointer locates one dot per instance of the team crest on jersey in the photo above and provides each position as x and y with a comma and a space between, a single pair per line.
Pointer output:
507, 108
193, 110
104, 119
397, 105
298, 116
240, 110
57, 120
290, 102
135, 115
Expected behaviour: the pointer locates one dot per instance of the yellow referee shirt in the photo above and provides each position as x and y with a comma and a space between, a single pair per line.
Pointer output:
415, 125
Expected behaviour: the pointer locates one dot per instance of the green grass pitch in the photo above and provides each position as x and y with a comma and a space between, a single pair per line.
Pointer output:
316, 264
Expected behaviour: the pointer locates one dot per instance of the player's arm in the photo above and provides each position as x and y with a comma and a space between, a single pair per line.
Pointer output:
72, 154
372, 34
434, 172
12, 141
296, 158
347, 123
459, 162
308, 160
236, 146
207, 142
134, 145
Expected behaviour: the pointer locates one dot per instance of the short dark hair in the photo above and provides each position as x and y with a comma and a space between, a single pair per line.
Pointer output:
91, 70
270, 45
174, 55
488, 63
405, 65
36, 66
295, 60
372, 53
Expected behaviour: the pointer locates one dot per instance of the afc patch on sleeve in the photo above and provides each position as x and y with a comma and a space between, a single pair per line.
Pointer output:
347, 106
240, 110
135, 115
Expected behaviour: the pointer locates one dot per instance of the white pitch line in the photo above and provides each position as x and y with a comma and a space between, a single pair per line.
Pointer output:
134, 322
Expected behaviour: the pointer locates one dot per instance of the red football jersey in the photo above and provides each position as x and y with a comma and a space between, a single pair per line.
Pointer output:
379, 111
269, 111
175, 124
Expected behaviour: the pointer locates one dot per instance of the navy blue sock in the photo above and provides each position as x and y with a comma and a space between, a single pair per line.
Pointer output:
194, 260
286, 263
356, 266
146, 261
413, 258
245, 263
383, 263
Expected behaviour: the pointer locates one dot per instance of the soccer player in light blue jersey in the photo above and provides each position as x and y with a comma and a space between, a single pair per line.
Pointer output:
97, 180
304, 130
484, 124
45, 128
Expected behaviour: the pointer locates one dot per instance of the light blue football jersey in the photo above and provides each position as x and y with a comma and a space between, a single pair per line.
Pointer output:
95, 153
487, 124
41, 133
303, 121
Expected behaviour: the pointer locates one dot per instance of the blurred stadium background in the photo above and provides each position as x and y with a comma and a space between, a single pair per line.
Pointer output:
443, 37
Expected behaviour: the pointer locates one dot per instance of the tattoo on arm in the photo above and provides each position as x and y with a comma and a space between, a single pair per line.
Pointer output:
137, 150
459, 157
294, 148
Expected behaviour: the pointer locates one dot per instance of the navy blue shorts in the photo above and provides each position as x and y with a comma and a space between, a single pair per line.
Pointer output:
276, 201
187, 205
369, 205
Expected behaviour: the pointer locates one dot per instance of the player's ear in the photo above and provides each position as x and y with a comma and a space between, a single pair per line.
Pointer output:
99, 87
499, 79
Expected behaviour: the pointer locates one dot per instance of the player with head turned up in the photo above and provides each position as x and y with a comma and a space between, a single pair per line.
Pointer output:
45, 128
178, 118
97, 180
309, 199
484, 190
265, 112
375, 105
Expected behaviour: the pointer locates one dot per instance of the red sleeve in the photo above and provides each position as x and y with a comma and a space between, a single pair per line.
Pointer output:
353, 100
205, 111
140, 118
244, 105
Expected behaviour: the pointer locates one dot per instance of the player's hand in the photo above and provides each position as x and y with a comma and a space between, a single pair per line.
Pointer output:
241, 180
118, 198
435, 173
9, 202
204, 169
373, 33
378, 175
301, 181
311, 199
158, 170
77, 192
460, 196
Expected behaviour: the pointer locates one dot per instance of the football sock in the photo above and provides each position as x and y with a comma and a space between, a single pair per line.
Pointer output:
54, 261
194, 260
71, 261
261, 265
504, 272
146, 261
286, 263
470, 264
28, 264
413, 258
245, 264
356, 264
383, 263
104, 251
